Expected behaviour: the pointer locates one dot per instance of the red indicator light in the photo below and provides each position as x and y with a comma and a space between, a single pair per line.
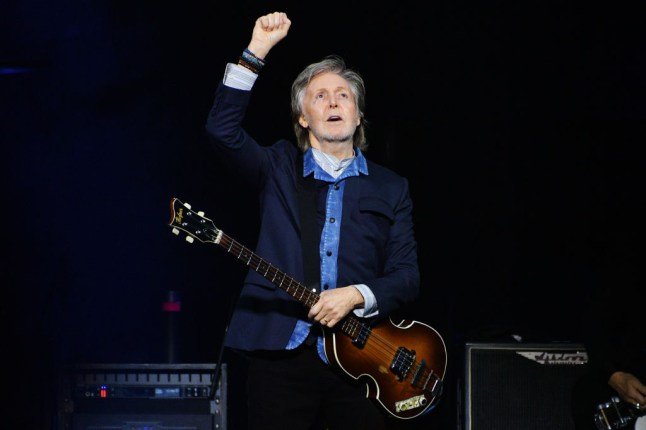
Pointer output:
172, 306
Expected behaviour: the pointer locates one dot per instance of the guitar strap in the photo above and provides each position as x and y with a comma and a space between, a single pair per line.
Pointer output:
310, 237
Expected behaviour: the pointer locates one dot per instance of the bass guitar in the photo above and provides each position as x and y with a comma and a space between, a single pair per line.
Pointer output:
402, 364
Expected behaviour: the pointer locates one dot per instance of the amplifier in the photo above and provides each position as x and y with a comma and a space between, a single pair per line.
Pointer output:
143, 397
521, 386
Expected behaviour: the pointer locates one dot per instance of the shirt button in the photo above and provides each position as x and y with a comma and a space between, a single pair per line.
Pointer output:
328, 253
332, 220
336, 186
325, 287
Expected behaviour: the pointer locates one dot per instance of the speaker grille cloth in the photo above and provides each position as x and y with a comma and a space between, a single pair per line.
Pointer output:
510, 391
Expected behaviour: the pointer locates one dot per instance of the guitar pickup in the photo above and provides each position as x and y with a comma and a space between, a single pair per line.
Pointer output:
362, 337
402, 362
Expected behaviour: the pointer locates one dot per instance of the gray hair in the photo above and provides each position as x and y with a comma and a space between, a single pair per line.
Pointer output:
333, 64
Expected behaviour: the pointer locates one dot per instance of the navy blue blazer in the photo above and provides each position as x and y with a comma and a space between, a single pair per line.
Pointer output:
377, 246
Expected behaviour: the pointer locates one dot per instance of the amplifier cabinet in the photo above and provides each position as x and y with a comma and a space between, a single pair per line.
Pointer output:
520, 386
143, 397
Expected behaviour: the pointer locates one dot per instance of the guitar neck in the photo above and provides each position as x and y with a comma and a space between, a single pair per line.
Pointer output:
199, 227
281, 279
350, 325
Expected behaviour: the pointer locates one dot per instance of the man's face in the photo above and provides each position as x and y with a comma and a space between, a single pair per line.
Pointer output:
329, 109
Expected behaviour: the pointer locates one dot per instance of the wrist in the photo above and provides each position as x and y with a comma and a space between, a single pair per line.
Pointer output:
259, 50
251, 61
359, 300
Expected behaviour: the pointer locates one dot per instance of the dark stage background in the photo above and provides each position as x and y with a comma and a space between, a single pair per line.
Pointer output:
517, 123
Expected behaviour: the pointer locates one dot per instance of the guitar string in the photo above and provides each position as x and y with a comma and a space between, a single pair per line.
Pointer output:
349, 324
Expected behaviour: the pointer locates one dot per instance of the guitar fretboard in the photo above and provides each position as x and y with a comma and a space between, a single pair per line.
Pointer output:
350, 325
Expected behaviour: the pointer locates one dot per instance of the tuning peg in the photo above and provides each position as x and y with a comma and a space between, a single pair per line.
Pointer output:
189, 239
175, 231
187, 205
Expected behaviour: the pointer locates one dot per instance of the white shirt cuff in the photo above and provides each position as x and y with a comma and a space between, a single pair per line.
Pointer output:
369, 302
239, 77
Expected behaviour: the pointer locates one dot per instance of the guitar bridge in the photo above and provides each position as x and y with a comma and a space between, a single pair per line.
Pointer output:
423, 376
402, 362
419, 375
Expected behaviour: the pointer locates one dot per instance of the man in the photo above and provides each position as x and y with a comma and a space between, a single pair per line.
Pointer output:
612, 394
363, 256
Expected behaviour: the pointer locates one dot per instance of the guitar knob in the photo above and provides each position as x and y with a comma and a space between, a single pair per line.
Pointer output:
201, 213
175, 231
187, 205
189, 239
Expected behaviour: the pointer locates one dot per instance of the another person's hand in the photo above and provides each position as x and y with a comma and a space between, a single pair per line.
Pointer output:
629, 388
268, 31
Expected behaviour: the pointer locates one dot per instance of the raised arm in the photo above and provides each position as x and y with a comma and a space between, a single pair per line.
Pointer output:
268, 31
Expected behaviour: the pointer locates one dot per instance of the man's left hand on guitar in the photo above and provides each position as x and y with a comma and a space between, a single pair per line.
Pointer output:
335, 304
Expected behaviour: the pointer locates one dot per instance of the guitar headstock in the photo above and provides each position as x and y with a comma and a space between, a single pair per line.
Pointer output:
195, 224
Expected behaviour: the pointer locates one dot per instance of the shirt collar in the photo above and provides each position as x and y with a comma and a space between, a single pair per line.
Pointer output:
348, 167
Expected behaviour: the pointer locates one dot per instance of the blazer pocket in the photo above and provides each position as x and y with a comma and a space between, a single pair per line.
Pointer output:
376, 207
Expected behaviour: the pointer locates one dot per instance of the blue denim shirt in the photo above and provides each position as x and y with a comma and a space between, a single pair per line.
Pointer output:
330, 236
